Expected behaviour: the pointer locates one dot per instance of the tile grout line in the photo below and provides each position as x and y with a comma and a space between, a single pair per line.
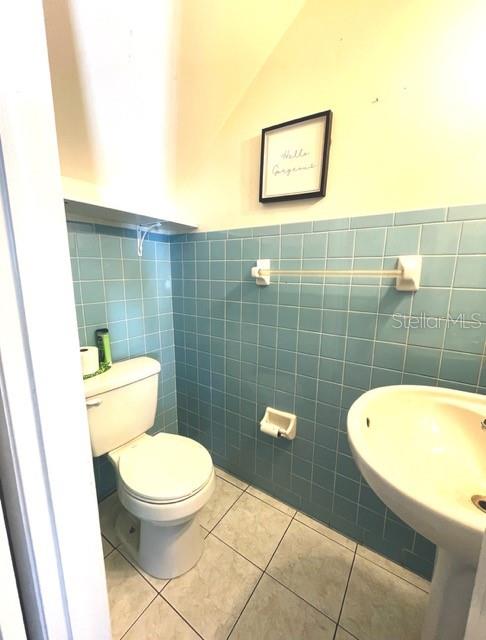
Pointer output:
345, 593
139, 616
344, 546
180, 615
260, 578
225, 513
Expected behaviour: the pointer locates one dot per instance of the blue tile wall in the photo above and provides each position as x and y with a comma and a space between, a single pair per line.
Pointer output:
312, 346
131, 296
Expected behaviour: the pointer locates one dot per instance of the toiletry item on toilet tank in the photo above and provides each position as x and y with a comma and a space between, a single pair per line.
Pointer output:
89, 360
103, 343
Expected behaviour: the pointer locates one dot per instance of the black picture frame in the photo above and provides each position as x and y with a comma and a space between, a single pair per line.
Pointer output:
320, 192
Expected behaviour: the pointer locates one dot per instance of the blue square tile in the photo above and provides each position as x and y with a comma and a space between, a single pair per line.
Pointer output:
440, 238
90, 269
359, 351
470, 272
251, 249
291, 246
308, 342
388, 356
131, 269
431, 302
310, 319
364, 298
307, 365
270, 247
331, 370
288, 317
357, 375
423, 361
473, 237
369, 242
336, 296
92, 292
467, 212
110, 247
112, 269
95, 314
361, 325
420, 217
331, 225
340, 244
315, 245
437, 271
332, 346
133, 289
88, 245
334, 322
311, 295
233, 250
426, 331
380, 220
129, 248
391, 328
401, 241
466, 336
286, 339
460, 367
468, 304
217, 250
115, 311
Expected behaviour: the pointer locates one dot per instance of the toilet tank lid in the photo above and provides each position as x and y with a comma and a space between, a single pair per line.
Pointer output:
121, 374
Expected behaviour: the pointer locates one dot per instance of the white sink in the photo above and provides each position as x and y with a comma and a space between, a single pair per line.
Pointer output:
423, 451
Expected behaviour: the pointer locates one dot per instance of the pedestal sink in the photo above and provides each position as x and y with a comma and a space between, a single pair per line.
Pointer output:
423, 451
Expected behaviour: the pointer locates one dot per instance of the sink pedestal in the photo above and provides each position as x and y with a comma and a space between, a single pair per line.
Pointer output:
450, 597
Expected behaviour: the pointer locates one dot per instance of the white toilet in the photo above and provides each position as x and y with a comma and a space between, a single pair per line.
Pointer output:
163, 481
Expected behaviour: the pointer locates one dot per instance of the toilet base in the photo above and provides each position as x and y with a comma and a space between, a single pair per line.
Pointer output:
161, 551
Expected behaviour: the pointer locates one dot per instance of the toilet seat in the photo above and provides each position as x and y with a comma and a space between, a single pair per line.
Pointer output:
165, 469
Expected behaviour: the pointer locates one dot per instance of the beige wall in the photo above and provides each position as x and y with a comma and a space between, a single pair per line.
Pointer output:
163, 106
404, 78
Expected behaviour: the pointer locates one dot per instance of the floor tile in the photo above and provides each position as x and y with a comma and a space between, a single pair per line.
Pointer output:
160, 622
107, 547
314, 567
380, 606
157, 583
128, 593
275, 613
253, 528
271, 501
394, 568
230, 478
326, 531
342, 634
212, 595
109, 510
224, 496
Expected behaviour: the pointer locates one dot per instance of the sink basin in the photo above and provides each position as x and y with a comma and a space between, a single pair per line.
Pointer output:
423, 451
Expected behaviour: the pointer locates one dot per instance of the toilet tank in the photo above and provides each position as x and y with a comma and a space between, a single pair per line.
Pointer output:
121, 403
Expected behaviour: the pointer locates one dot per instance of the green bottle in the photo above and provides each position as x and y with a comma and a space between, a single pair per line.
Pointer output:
104, 347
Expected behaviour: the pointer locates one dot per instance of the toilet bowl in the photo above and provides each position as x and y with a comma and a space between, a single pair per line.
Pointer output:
163, 481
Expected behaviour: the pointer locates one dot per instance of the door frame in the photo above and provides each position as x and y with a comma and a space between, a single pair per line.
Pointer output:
46, 470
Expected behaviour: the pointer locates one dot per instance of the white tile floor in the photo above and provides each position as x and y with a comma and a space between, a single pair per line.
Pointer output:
267, 572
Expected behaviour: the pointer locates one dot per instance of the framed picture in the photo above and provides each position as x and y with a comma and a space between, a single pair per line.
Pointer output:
294, 158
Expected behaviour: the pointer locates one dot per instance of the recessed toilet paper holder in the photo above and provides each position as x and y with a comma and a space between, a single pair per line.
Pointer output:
279, 424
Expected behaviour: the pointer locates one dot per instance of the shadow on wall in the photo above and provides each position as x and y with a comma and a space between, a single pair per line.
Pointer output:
75, 139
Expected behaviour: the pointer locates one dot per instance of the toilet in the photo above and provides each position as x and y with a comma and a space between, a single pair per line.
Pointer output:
163, 481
